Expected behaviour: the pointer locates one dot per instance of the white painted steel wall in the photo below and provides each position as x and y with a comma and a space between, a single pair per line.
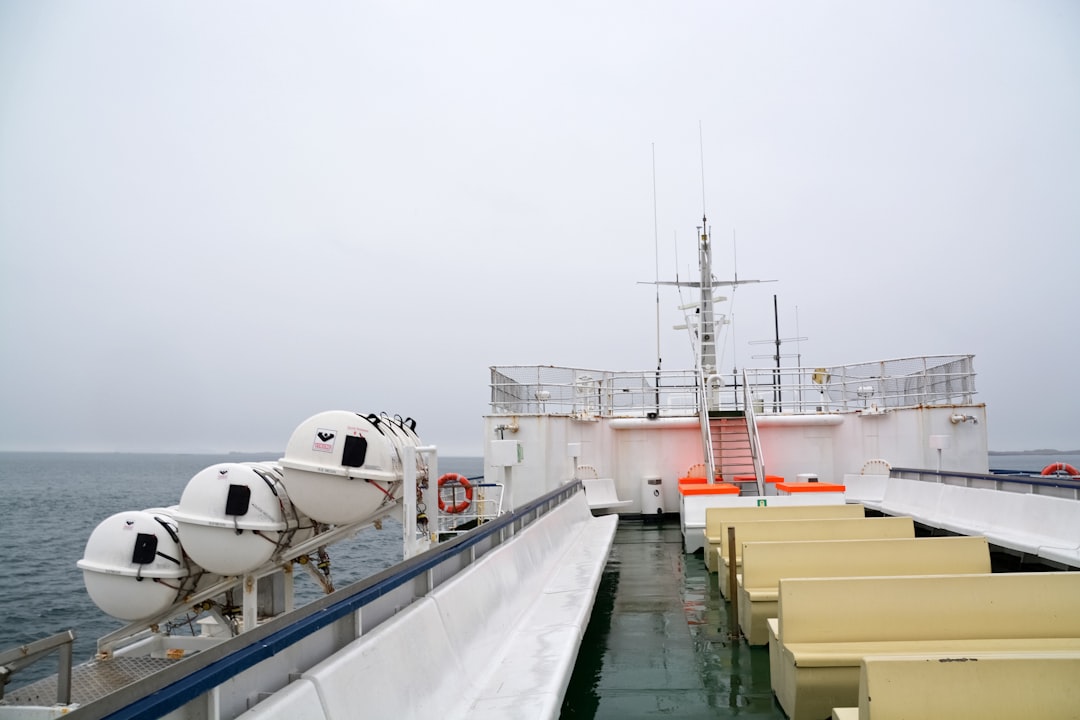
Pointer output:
629, 450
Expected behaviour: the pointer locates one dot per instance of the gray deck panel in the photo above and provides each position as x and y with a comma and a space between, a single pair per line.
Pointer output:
657, 644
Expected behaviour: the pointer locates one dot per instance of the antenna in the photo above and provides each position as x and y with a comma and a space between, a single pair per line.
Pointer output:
777, 397
656, 260
734, 287
734, 257
798, 348
705, 331
707, 339
701, 149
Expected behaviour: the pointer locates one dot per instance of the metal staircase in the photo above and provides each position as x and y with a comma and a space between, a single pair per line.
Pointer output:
732, 451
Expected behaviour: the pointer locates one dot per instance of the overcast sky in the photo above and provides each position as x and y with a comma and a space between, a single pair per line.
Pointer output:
217, 219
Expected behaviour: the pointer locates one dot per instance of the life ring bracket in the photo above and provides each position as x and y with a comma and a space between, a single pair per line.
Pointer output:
453, 480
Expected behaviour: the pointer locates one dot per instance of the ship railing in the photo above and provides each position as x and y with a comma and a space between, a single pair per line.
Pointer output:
14, 660
703, 423
927, 380
1024, 484
877, 386
580, 392
755, 440
485, 506
259, 660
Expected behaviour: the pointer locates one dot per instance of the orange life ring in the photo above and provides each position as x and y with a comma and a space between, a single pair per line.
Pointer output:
1060, 467
455, 479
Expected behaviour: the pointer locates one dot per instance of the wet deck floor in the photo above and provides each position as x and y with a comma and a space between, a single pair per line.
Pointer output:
658, 641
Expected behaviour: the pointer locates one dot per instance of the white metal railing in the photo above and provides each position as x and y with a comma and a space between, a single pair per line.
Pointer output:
706, 430
755, 441
486, 505
424, 521
903, 382
1033, 485
15, 659
549, 390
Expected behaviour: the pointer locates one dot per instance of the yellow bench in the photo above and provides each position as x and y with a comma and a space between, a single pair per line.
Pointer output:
820, 529
826, 627
715, 516
764, 563
968, 687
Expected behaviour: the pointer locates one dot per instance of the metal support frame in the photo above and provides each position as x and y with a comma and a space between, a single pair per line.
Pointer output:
14, 660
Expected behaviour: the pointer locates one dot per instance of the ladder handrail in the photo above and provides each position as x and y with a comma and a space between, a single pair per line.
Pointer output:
703, 421
755, 441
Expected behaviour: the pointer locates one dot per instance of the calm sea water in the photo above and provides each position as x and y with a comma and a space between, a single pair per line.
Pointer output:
51, 502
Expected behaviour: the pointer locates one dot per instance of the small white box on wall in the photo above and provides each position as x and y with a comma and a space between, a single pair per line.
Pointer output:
506, 452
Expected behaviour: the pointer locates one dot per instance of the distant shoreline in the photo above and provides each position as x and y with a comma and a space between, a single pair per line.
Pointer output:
278, 453
1033, 452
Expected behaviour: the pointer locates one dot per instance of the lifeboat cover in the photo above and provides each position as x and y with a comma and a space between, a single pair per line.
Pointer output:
338, 466
231, 516
126, 561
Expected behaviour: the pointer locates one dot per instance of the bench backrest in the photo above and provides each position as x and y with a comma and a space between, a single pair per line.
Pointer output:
459, 629
601, 493
764, 563
865, 488
975, 686
715, 516
930, 607
817, 529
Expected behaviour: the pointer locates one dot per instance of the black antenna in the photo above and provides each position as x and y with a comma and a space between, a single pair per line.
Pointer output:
777, 340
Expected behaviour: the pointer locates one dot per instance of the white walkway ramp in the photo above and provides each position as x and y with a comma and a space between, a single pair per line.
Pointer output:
497, 641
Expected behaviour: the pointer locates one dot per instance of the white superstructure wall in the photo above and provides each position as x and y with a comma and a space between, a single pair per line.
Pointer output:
629, 450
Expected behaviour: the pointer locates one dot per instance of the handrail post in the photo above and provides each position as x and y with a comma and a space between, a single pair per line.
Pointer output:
63, 675
11, 661
733, 587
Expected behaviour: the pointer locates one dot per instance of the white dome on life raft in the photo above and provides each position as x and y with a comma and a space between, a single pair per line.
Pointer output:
133, 564
341, 467
232, 516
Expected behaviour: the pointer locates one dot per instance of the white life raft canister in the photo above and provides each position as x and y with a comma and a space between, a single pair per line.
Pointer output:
234, 516
133, 564
341, 467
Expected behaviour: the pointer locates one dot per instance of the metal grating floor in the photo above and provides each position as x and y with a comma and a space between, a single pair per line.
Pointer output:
89, 681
